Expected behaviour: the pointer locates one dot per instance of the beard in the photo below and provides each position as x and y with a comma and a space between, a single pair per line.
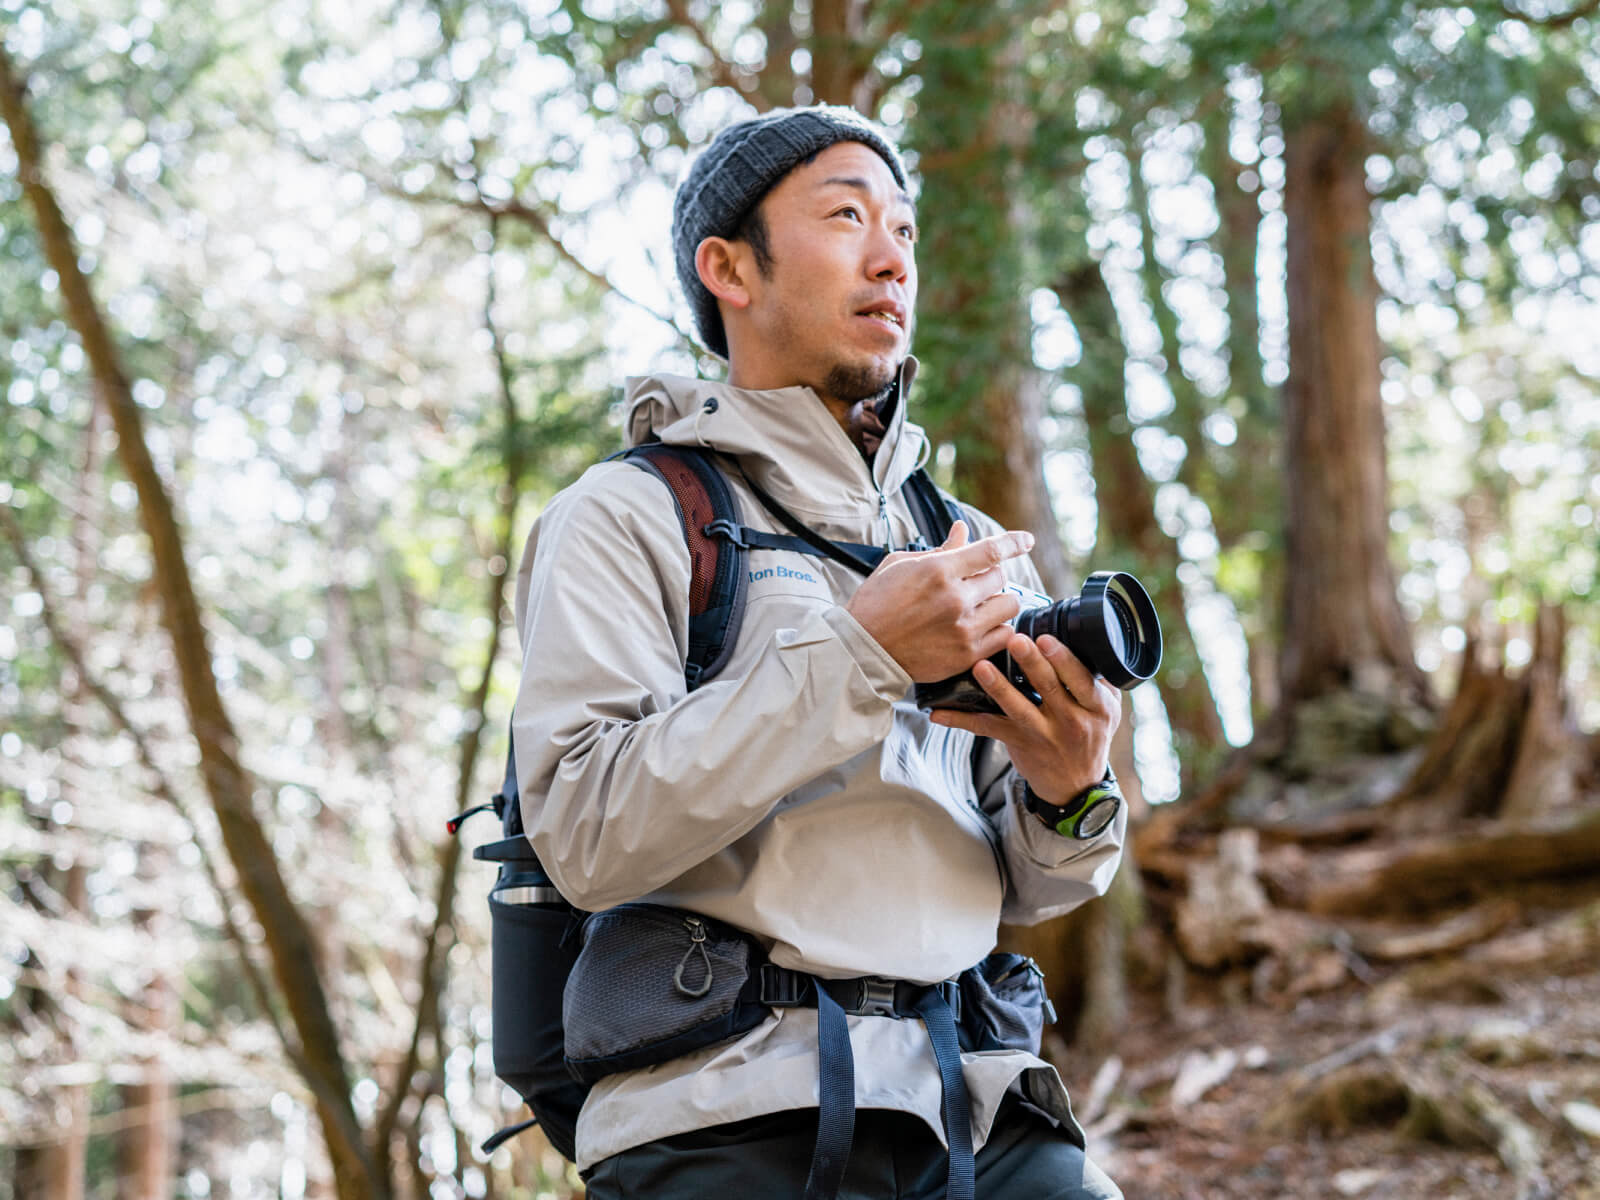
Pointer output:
851, 381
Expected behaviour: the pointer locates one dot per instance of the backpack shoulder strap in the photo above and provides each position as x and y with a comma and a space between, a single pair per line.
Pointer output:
718, 580
933, 509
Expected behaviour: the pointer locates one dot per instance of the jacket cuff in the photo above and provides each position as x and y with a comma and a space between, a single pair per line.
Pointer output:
887, 678
1041, 844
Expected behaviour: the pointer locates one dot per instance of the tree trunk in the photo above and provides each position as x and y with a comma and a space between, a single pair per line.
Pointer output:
973, 322
839, 61
1128, 517
56, 1169
1506, 745
146, 1144
1343, 627
288, 937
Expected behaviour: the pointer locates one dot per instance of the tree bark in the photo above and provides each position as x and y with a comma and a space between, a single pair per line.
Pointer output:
839, 61
146, 1144
1434, 871
57, 1168
288, 937
1343, 627
970, 131
1128, 522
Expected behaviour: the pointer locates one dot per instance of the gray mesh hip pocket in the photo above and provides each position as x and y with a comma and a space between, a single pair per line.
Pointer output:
1004, 1005
652, 983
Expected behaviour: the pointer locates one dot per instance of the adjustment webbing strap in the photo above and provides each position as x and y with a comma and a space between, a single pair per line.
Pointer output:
757, 539
938, 1007
961, 1178
836, 1100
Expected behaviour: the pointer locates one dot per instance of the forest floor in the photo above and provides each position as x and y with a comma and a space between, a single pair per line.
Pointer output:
1492, 1092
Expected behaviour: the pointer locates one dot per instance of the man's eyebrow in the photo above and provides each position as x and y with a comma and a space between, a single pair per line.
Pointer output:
861, 185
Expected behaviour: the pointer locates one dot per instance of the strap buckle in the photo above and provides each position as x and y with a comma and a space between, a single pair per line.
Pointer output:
875, 997
781, 987
728, 530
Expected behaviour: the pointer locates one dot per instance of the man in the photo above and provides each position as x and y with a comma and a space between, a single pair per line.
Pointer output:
800, 795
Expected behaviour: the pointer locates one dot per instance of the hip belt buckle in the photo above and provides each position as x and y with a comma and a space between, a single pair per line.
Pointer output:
875, 997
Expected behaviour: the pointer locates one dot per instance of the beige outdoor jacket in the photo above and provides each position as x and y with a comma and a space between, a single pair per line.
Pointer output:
799, 795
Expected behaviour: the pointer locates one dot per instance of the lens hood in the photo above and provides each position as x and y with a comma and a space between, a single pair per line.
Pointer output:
1112, 626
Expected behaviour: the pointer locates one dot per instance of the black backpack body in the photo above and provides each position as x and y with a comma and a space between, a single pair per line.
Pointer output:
535, 931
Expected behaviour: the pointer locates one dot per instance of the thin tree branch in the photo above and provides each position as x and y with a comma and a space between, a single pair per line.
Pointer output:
517, 210
1554, 20
515, 460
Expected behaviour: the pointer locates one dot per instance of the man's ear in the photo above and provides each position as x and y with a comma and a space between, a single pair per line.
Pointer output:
723, 266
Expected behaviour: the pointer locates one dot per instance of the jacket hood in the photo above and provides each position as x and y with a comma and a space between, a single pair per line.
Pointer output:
785, 438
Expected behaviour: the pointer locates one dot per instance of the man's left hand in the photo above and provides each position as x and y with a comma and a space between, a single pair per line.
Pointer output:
1060, 745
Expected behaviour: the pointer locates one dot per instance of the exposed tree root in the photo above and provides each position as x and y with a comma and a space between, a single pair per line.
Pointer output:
1434, 1101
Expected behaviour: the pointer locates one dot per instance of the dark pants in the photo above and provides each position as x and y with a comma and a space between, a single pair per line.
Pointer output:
895, 1156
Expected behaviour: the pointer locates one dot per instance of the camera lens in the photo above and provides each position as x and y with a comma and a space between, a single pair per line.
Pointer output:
1110, 625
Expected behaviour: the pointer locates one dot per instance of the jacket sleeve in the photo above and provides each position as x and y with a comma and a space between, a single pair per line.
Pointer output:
1046, 874
627, 778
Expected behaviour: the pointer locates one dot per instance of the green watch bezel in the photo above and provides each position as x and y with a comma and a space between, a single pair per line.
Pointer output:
1072, 819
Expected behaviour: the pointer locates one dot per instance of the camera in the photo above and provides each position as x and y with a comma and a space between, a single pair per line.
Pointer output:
1110, 625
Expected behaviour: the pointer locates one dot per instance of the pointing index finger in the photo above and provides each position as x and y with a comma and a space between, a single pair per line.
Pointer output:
980, 556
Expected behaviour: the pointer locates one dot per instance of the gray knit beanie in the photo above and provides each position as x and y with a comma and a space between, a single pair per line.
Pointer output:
742, 165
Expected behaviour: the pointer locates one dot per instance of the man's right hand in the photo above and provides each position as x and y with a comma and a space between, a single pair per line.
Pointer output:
937, 612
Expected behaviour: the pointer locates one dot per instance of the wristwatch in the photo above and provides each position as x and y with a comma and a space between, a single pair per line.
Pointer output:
1086, 815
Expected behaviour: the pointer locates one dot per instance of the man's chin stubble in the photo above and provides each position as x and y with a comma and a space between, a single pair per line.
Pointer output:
851, 383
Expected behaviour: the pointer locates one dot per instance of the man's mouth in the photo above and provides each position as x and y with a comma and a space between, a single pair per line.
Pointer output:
887, 312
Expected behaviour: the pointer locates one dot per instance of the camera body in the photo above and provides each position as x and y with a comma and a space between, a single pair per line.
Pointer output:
1111, 626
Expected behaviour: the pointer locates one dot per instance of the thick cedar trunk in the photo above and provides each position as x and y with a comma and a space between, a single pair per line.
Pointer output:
1343, 627
974, 324
288, 937
146, 1145
838, 60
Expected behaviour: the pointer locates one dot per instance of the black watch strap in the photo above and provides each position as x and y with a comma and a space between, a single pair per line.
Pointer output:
1087, 815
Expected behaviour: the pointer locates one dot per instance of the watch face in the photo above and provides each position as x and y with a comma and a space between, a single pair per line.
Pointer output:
1100, 815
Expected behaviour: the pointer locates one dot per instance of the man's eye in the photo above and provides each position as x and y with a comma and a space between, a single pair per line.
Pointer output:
849, 211
909, 232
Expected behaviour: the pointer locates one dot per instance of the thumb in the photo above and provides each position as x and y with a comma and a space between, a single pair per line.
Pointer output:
957, 537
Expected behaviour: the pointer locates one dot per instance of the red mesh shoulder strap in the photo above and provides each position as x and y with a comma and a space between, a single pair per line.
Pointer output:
717, 569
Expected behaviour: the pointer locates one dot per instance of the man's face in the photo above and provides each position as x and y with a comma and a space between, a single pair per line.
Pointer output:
833, 311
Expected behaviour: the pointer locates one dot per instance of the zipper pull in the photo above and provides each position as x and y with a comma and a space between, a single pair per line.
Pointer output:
697, 941
883, 515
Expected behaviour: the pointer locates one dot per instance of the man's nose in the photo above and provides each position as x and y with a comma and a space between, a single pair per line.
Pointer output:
890, 256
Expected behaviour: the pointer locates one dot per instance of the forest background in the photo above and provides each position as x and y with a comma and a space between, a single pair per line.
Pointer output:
305, 311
